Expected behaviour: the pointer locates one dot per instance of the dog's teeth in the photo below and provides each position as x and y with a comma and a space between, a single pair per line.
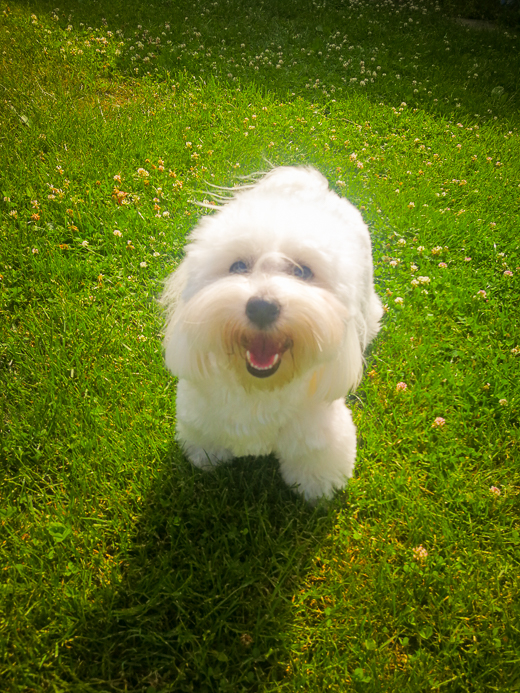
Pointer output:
274, 361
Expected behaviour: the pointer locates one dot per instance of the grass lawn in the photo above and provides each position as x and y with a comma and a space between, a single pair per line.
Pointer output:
124, 569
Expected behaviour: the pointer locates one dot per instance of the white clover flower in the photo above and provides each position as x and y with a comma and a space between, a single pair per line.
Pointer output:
423, 280
420, 553
439, 422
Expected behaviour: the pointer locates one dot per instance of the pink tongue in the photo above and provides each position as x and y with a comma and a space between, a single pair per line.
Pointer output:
262, 353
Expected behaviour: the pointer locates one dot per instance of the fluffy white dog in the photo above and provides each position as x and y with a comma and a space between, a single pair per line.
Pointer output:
268, 316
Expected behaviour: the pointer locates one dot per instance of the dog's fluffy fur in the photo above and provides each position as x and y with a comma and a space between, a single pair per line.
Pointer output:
268, 316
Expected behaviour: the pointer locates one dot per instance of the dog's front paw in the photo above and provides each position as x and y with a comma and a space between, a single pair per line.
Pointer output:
313, 481
317, 452
206, 458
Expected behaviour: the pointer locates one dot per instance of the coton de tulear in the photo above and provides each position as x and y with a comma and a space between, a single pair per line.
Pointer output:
267, 319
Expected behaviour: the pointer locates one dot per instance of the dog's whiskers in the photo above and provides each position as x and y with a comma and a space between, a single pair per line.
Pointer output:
234, 188
215, 196
207, 205
230, 192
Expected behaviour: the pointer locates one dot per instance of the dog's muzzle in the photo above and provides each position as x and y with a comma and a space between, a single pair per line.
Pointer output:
263, 351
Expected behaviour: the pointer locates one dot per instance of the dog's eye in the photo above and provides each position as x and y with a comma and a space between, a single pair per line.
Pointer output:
238, 267
302, 272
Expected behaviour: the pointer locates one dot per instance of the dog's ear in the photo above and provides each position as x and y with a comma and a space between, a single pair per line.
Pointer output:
174, 287
178, 356
181, 356
343, 374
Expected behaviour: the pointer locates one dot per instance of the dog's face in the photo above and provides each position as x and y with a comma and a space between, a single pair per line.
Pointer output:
269, 289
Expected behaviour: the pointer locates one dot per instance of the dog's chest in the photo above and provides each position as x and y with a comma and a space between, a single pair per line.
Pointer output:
248, 423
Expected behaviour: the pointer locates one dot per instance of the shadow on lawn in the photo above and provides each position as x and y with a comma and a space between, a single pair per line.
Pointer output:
205, 601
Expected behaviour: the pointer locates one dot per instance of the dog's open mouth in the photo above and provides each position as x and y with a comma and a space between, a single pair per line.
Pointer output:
263, 356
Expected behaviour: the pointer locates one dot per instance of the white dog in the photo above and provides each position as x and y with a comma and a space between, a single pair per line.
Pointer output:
268, 316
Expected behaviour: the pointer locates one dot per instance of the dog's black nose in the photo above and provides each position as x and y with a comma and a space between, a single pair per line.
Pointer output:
262, 313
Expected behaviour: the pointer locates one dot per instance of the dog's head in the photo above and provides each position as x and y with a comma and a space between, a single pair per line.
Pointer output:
275, 285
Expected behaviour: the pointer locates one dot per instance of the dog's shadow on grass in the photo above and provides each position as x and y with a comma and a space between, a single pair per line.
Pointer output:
205, 601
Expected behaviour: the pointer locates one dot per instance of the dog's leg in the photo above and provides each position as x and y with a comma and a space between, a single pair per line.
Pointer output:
317, 451
193, 431
205, 458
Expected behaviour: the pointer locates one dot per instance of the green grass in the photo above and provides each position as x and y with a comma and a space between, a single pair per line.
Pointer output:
123, 569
